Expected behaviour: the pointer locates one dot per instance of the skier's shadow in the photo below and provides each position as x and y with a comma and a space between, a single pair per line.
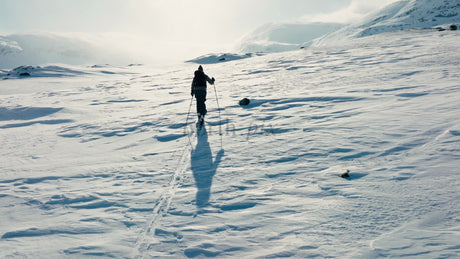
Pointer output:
204, 168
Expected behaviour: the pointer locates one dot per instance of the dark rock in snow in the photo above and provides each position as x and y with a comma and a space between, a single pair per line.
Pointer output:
244, 102
346, 174
22, 71
453, 27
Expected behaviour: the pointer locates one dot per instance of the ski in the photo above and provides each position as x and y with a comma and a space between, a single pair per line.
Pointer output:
200, 122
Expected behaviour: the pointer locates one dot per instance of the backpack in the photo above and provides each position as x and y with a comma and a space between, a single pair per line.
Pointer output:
200, 78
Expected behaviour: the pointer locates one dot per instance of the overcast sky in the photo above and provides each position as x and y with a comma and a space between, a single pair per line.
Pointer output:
171, 22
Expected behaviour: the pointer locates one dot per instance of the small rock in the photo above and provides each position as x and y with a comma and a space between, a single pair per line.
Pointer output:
244, 102
346, 174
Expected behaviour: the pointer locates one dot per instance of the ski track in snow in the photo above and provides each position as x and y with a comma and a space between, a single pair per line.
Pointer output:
162, 206
102, 164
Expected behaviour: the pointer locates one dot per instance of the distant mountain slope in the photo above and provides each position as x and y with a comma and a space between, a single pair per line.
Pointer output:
8, 46
402, 15
277, 37
45, 48
42, 48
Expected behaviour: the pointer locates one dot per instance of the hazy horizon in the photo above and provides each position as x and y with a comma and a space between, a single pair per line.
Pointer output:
174, 29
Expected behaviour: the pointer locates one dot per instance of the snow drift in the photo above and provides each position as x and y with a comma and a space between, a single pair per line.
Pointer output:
223, 57
38, 71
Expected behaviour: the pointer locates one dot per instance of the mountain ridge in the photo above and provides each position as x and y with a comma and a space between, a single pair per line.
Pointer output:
401, 15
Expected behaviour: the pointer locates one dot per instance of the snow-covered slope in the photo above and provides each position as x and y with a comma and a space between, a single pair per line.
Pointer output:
401, 15
223, 57
103, 165
8, 47
277, 37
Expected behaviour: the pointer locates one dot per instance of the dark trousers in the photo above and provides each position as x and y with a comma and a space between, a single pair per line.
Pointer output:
200, 96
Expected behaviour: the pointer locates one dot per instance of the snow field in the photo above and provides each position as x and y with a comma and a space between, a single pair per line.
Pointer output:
100, 163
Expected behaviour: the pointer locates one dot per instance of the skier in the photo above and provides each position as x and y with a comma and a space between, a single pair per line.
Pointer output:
199, 90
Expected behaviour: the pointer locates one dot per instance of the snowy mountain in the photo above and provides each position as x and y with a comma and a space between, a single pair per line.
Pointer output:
37, 49
401, 15
106, 162
277, 37
8, 47
44, 48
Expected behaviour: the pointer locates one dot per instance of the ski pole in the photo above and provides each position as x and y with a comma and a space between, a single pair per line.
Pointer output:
220, 118
188, 114
218, 109
189, 109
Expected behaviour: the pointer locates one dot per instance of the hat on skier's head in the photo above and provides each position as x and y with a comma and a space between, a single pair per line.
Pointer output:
200, 68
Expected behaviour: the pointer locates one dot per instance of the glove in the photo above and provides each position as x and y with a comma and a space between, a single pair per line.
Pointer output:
213, 80
193, 93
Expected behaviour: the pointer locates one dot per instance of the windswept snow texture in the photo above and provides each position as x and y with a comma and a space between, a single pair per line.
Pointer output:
278, 37
101, 164
401, 15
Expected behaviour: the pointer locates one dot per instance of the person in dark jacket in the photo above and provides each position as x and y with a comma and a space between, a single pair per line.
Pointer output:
199, 90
